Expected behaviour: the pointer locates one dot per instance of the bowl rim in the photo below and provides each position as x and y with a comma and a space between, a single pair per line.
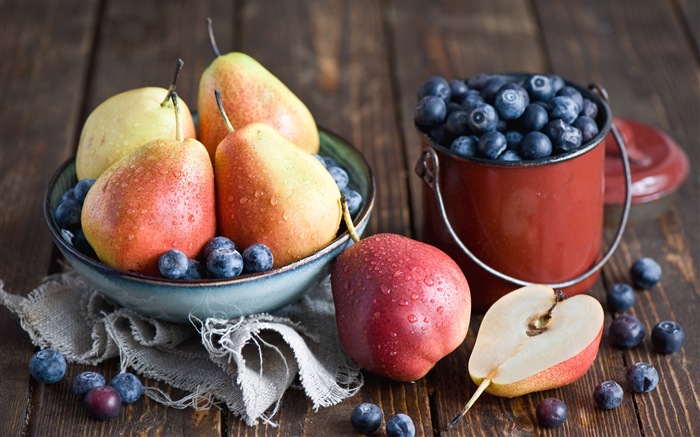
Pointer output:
362, 216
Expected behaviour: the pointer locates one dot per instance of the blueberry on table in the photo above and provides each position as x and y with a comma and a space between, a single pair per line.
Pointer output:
47, 366
86, 381
435, 86
645, 273
535, 145
173, 264
430, 111
510, 104
587, 126
539, 87
492, 144
224, 263
573, 93
103, 403
218, 242
366, 418
465, 146
564, 108
67, 214
340, 176
667, 337
400, 425
620, 297
128, 385
483, 119
457, 123
257, 258
642, 377
551, 412
353, 198
626, 331
534, 118
81, 189
608, 395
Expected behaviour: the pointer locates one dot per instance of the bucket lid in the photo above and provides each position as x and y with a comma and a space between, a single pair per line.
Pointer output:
658, 165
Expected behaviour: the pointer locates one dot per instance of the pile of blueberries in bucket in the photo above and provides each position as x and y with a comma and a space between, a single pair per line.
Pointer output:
506, 118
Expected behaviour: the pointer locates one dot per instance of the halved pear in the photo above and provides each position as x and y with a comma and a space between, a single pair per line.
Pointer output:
534, 339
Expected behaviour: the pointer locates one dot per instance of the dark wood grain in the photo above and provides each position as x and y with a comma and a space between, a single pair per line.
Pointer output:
357, 65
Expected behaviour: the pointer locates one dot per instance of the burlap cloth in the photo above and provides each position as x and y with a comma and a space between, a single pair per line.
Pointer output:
246, 363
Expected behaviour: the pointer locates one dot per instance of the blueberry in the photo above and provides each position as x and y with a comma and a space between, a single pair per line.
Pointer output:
564, 137
573, 93
539, 87
551, 412
438, 134
173, 264
620, 298
534, 118
68, 214
224, 263
510, 104
626, 331
667, 337
103, 403
47, 366
590, 109
329, 162
353, 198
510, 156
478, 81
86, 381
340, 176
81, 189
491, 144
215, 243
642, 377
535, 145
430, 111
195, 270
320, 158
557, 82
435, 86
491, 87
68, 195
513, 139
472, 100
587, 126
400, 425
81, 244
645, 273
465, 146
257, 258
452, 107
366, 418
563, 108
457, 124
458, 90
129, 387
483, 119
608, 395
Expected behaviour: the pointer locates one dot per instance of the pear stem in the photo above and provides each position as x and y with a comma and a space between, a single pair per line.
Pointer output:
348, 220
173, 84
212, 40
485, 383
179, 134
217, 95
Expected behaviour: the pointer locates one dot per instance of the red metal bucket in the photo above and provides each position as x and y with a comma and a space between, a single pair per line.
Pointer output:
510, 224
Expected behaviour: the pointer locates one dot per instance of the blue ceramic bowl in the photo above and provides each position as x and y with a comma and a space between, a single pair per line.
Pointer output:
175, 301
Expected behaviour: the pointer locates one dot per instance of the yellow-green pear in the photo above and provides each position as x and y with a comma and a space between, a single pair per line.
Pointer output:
125, 122
253, 94
160, 197
270, 191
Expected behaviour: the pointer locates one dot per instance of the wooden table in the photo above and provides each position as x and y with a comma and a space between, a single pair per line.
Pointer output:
357, 65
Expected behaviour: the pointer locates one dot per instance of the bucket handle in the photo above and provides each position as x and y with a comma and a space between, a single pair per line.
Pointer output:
428, 168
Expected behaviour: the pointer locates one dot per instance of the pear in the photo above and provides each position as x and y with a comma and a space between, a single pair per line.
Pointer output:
534, 339
401, 305
125, 122
253, 95
270, 191
160, 197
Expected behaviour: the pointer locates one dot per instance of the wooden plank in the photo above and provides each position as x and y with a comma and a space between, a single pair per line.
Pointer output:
642, 57
45, 53
138, 45
690, 11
